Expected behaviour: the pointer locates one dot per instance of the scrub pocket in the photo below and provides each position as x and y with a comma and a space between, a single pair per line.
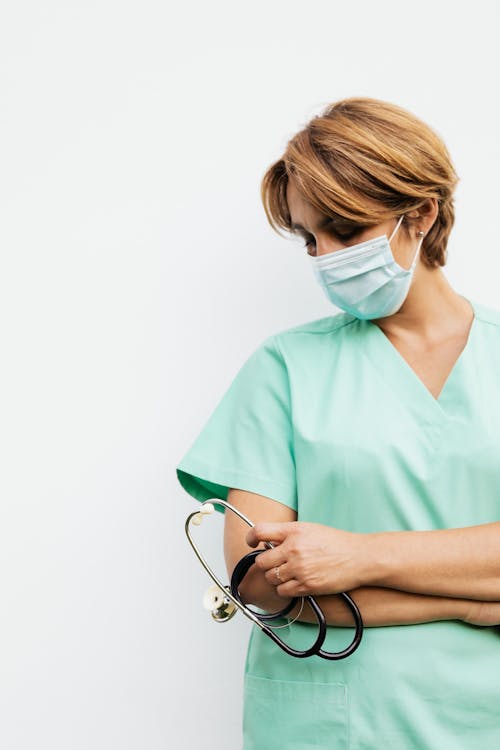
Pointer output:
285, 714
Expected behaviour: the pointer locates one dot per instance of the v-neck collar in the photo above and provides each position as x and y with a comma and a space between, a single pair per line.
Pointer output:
398, 375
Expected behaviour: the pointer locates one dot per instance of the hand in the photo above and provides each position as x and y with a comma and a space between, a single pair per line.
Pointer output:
312, 558
483, 613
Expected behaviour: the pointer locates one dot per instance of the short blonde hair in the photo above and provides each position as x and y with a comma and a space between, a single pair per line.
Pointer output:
366, 160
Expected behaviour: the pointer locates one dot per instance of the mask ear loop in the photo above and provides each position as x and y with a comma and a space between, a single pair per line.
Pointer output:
420, 234
414, 262
396, 227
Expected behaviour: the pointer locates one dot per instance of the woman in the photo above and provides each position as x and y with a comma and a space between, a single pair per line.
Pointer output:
366, 446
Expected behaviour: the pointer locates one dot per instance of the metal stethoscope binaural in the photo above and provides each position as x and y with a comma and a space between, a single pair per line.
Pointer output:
224, 600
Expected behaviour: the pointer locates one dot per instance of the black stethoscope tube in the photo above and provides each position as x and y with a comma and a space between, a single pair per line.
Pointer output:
241, 569
232, 593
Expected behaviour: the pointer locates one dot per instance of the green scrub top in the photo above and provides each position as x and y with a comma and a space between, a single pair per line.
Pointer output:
328, 418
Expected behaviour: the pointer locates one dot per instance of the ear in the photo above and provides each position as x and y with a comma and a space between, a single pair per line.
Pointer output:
423, 218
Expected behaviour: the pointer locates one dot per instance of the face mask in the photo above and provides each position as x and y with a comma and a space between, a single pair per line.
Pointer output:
364, 279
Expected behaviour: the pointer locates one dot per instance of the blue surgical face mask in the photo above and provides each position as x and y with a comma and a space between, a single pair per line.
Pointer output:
364, 279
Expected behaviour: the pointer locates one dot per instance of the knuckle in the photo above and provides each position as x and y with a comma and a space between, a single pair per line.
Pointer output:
259, 562
294, 546
257, 529
294, 529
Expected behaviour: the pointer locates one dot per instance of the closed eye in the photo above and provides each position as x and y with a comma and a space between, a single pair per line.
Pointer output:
344, 231
343, 236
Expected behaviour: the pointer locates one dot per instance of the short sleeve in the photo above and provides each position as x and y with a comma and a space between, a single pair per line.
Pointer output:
247, 442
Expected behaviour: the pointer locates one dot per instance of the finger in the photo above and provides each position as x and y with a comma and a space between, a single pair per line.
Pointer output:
272, 577
271, 558
289, 588
268, 532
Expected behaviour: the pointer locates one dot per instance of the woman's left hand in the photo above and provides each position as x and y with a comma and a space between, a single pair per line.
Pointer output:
312, 558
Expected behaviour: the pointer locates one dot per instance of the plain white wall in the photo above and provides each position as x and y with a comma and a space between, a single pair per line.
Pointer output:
138, 273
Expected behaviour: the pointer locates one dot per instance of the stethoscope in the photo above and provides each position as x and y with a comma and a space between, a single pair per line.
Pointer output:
224, 600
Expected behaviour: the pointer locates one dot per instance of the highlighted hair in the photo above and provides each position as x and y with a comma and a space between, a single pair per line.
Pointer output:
367, 161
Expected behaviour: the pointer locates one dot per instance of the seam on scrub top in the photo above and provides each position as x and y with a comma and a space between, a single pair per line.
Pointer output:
490, 322
298, 330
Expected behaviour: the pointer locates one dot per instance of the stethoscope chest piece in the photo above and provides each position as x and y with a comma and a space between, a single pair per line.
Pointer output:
216, 601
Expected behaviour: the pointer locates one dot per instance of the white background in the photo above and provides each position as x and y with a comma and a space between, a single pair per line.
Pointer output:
138, 272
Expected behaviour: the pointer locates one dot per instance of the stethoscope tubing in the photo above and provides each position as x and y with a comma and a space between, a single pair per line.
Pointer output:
247, 612
239, 572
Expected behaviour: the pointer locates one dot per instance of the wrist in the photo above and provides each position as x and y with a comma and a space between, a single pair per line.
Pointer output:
256, 591
377, 559
468, 610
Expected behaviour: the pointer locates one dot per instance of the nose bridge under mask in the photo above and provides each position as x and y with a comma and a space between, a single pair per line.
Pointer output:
365, 279
335, 257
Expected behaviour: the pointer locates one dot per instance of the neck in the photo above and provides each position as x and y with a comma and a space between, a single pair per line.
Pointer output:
432, 308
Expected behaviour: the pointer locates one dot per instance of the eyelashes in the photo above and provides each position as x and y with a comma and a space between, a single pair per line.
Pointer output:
342, 236
344, 230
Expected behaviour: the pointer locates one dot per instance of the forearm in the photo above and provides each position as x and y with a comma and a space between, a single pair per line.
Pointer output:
459, 562
378, 606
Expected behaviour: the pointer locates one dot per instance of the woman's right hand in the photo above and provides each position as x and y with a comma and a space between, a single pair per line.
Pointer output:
483, 613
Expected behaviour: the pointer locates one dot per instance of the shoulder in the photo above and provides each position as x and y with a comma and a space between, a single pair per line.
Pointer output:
487, 314
311, 332
315, 341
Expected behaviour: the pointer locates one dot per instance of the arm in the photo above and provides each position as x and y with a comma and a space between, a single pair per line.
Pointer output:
378, 605
318, 559
460, 562
383, 607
